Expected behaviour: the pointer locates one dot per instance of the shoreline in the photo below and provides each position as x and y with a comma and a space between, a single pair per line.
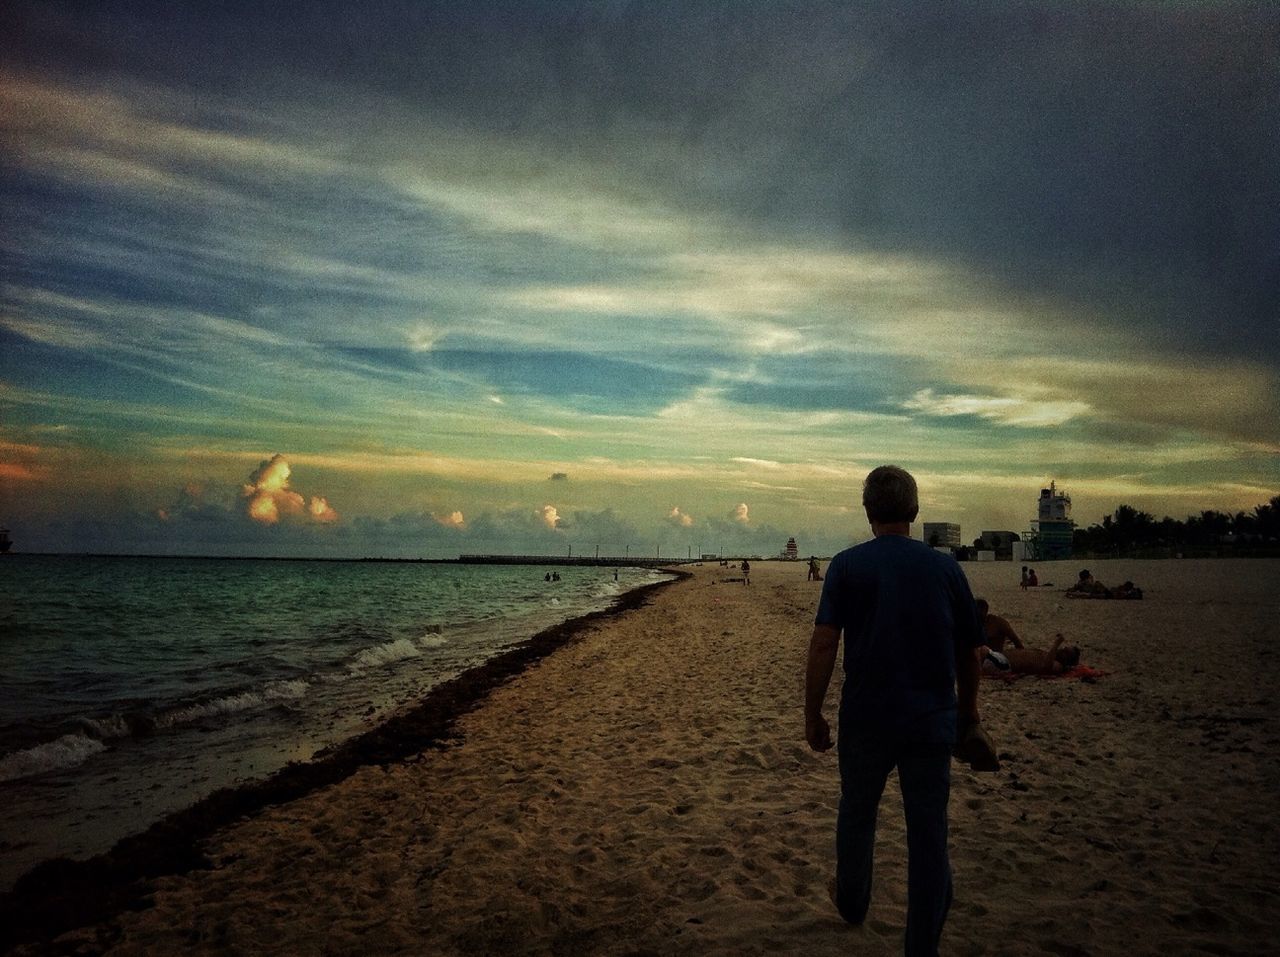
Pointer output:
647, 790
61, 894
608, 561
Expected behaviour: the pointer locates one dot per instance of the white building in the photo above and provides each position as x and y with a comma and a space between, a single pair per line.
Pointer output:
947, 534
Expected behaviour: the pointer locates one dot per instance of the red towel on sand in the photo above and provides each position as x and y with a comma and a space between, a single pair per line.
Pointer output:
1077, 673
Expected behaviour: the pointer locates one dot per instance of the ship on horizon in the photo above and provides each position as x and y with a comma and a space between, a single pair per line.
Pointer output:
5, 541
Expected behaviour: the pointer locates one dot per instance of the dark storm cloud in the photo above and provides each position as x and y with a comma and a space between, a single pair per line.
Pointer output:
1119, 158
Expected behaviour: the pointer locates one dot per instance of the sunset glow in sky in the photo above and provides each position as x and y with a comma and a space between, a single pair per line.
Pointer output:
428, 278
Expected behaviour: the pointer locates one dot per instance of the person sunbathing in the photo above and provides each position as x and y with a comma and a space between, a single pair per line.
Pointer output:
1127, 590
1088, 587
1030, 661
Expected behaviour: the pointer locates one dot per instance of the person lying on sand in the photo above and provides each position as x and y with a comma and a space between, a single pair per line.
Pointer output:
1088, 587
996, 630
1030, 661
1127, 590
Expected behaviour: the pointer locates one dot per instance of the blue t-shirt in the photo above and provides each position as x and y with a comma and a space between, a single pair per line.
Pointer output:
904, 609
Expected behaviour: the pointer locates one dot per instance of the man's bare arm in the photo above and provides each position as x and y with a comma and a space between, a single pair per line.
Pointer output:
823, 648
1000, 628
1051, 663
967, 685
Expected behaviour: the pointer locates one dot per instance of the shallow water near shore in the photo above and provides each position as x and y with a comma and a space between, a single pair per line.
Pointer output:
131, 687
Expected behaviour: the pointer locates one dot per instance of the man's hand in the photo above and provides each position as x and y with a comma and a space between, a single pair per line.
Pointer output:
818, 733
822, 660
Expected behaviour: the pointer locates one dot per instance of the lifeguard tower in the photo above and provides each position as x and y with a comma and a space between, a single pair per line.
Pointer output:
1052, 531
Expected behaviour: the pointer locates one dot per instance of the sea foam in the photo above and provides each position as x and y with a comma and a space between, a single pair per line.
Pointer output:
272, 694
387, 653
64, 752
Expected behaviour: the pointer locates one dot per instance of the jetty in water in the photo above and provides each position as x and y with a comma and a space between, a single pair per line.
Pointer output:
604, 561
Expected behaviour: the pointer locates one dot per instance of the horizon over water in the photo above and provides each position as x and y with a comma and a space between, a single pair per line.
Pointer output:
130, 687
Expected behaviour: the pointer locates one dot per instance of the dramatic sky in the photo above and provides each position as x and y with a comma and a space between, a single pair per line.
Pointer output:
426, 278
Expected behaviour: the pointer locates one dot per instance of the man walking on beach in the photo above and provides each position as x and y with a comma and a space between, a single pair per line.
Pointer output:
910, 627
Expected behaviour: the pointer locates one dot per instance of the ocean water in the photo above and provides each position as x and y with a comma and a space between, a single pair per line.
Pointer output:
131, 687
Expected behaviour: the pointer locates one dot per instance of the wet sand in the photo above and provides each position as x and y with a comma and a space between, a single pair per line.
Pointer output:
646, 790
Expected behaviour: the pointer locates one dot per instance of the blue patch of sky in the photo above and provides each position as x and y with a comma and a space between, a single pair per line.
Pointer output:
385, 363
92, 374
591, 383
834, 381
391, 260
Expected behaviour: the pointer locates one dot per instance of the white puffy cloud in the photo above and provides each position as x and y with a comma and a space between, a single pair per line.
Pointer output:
320, 510
682, 519
741, 513
452, 519
269, 497
549, 515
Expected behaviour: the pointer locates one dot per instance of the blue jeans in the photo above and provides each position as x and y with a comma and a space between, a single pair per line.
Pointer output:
924, 773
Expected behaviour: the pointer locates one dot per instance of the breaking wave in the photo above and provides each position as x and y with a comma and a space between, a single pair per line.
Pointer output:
64, 752
272, 694
387, 653
400, 649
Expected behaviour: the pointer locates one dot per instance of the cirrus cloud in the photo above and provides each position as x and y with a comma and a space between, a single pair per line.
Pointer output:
1003, 410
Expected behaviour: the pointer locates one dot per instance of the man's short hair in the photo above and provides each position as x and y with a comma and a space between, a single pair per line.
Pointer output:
889, 495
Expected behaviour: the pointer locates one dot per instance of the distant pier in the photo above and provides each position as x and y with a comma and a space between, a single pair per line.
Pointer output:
614, 561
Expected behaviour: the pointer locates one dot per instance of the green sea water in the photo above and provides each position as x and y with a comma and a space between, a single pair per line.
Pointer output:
131, 687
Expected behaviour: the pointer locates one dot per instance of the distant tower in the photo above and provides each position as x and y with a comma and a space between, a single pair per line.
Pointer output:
1053, 528
791, 553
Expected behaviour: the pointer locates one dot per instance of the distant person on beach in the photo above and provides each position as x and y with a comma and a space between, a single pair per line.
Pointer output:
1127, 590
815, 571
996, 630
1056, 660
1032, 580
1024, 576
1087, 586
910, 628
746, 572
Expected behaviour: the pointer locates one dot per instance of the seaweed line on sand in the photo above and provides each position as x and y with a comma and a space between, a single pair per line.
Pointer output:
59, 895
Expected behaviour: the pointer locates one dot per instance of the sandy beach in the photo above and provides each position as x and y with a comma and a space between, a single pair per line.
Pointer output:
646, 790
